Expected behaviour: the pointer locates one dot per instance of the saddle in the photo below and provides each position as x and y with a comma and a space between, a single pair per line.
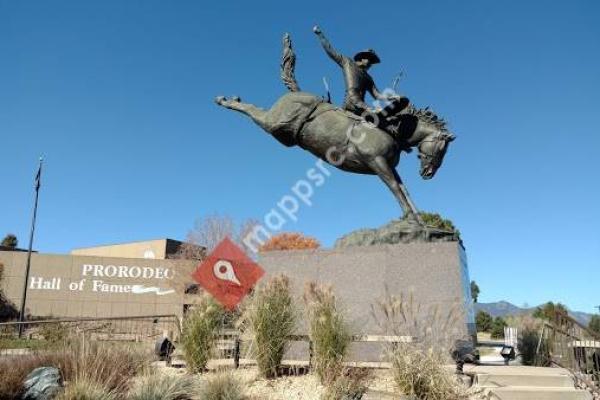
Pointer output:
387, 118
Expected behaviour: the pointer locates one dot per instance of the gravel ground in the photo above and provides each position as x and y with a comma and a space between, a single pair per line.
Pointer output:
300, 387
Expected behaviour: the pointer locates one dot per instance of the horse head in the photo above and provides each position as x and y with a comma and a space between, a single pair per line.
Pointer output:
432, 150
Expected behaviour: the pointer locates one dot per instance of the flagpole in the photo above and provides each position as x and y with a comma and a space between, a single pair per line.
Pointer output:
28, 265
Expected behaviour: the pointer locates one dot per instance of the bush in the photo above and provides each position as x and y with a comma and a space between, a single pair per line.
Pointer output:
86, 390
54, 333
498, 326
164, 387
271, 317
290, 241
418, 366
327, 330
200, 333
223, 386
435, 220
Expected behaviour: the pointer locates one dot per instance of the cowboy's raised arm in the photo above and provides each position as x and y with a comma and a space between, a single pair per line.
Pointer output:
335, 56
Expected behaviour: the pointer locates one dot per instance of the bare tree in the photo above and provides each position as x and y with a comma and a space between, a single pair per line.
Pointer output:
206, 234
209, 231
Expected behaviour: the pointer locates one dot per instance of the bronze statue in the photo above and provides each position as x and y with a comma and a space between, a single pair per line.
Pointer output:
345, 140
356, 76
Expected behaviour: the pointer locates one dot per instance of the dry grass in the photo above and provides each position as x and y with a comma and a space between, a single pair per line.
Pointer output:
222, 386
111, 367
14, 371
165, 387
328, 332
200, 331
271, 316
532, 347
351, 384
83, 389
418, 367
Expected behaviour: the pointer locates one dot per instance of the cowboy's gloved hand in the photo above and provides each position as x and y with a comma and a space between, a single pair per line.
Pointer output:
317, 30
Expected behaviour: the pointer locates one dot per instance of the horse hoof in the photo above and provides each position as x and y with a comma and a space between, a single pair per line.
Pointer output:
220, 100
236, 98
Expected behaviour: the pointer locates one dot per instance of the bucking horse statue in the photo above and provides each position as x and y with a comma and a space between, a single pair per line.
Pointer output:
349, 142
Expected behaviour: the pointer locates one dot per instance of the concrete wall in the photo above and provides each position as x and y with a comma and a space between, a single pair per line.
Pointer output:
436, 273
80, 286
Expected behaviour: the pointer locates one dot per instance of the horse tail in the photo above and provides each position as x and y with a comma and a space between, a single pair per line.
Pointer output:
288, 65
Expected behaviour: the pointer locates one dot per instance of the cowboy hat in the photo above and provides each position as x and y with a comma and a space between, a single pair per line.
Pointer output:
368, 54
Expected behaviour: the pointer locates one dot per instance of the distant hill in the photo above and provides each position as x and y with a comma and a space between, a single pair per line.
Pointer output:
504, 309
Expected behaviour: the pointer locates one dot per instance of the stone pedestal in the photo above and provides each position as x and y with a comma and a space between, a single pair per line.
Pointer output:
435, 273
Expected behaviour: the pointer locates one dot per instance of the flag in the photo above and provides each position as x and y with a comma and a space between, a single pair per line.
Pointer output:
38, 177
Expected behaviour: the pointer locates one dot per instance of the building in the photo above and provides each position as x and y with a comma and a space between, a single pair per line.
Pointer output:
128, 279
158, 249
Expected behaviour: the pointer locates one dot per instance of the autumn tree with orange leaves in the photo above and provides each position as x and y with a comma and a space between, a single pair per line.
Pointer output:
290, 241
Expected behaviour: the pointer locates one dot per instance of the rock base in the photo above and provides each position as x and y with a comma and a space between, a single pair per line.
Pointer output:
394, 232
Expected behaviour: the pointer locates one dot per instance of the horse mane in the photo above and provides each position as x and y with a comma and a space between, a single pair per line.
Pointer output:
427, 115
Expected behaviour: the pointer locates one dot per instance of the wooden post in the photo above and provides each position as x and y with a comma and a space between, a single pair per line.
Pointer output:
236, 352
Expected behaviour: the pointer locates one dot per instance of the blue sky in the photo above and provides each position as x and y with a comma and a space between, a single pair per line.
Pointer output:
118, 97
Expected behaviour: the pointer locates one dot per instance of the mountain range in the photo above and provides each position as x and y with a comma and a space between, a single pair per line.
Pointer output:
505, 309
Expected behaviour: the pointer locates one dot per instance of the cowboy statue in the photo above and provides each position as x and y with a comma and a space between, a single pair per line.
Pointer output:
340, 138
356, 77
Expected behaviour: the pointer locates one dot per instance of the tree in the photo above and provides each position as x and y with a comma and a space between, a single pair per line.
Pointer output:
484, 321
474, 291
594, 324
290, 241
498, 326
209, 231
10, 241
206, 234
551, 312
8, 311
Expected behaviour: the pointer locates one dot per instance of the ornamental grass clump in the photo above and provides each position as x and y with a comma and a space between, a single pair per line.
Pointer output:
271, 317
159, 386
351, 384
200, 330
328, 332
532, 346
83, 389
426, 338
108, 367
222, 386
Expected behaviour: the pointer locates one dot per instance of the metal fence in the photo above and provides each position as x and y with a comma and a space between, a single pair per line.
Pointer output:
235, 349
40, 333
569, 344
